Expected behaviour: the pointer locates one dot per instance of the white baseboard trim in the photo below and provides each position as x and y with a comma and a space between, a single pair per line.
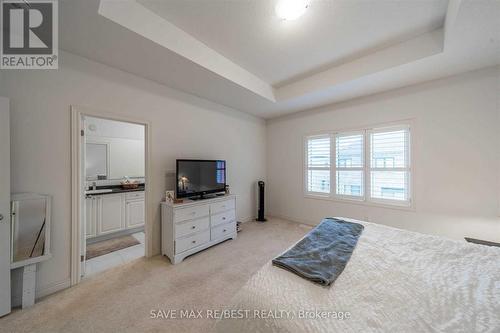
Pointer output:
42, 292
53, 288
293, 219
247, 219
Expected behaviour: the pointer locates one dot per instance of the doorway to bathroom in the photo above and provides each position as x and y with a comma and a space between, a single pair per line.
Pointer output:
111, 193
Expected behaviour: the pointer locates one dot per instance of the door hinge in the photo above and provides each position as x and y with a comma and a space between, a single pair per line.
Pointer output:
82, 132
82, 258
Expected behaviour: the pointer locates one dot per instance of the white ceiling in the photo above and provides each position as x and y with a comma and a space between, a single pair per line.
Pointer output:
236, 53
330, 32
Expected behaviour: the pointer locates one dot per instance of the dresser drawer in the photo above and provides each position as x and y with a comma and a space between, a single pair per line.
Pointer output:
222, 206
190, 213
223, 230
191, 226
223, 218
187, 243
134, 195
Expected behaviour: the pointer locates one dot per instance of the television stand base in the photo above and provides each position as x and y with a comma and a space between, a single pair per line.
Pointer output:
202, 197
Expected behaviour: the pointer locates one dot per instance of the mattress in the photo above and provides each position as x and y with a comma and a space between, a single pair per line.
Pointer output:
395, 281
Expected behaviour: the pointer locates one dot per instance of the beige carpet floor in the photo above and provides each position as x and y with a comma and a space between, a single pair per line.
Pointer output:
121, 299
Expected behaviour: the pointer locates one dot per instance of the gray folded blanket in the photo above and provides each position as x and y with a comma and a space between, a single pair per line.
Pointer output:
323, 253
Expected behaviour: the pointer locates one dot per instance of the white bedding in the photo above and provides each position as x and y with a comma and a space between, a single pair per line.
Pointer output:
395, 281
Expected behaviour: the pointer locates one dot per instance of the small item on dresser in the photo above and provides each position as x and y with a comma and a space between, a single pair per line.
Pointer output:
177, 201
170, 196
227, 190
129, 184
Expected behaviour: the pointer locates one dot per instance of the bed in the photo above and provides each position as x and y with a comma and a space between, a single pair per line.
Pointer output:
395, 281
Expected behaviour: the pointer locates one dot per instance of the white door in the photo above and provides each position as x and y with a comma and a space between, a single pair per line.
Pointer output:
4, 207
110, 213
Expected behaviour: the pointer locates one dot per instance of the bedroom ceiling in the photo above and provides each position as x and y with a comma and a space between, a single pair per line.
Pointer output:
329, 33
237, 53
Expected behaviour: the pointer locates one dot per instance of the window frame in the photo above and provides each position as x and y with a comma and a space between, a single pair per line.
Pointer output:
366, 199
333, 164
406, 169
307, 168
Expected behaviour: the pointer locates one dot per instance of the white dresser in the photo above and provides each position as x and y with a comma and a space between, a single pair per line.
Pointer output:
192, 226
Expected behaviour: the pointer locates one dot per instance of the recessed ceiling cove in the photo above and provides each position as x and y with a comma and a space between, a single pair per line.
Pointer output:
330, 33
240, 54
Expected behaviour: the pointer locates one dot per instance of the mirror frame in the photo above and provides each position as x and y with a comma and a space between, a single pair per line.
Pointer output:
96, 142
15, 198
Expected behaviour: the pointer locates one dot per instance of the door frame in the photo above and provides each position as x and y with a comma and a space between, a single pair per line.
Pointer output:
77, 188
5, 247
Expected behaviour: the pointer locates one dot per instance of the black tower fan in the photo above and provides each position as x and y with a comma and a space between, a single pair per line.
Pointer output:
260, 216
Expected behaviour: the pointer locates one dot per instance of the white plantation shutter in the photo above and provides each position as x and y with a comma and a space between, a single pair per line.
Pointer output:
349, 164
390, 164
369, 165
318, 164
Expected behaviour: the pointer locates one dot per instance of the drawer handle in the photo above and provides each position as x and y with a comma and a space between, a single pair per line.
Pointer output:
193, 227
193, 213
223, 217
224, 206
224, 230
194, 242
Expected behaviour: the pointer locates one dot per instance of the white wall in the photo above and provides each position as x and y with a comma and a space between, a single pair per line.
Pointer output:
126, 157
100, 127
457, 133
126, 148
183, 126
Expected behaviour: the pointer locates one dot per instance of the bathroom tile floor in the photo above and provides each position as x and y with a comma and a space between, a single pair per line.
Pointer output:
117, 258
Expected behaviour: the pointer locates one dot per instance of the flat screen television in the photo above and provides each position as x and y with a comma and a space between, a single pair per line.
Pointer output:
196, 178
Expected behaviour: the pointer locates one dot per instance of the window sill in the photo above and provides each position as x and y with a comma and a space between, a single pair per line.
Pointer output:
376, 203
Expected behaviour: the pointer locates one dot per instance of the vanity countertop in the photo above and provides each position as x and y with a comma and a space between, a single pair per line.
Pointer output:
115, 189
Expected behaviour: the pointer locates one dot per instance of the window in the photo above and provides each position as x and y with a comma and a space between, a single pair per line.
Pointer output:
318, 164
370, 165
221, 172
384, 162
352, 189
349, 164
390, 171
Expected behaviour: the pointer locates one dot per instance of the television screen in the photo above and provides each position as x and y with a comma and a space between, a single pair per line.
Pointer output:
199, 177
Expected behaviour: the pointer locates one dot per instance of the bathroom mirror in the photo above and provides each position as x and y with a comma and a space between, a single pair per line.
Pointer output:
30, 229
97, 161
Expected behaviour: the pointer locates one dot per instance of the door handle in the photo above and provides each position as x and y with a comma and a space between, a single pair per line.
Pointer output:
1, 217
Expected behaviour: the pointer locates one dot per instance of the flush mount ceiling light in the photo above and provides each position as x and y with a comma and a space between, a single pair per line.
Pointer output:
291, 9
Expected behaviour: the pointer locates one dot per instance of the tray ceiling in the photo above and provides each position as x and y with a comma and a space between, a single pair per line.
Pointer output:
238, 54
